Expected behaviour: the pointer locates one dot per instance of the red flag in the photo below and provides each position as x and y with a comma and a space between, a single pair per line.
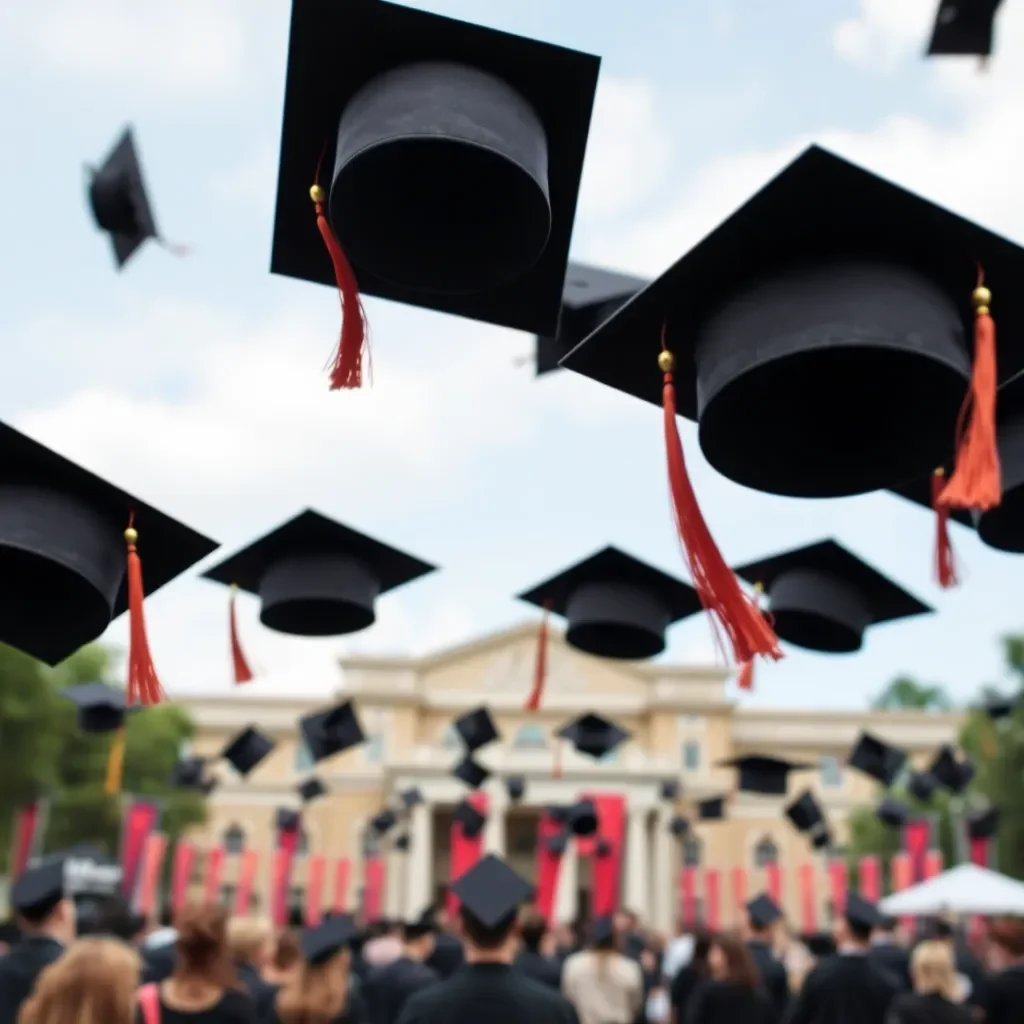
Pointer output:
808, 903
712, 903
247, 869
738, 881
342, 873
837, 879
140, 817
917, 839
606, 871
933, 863
373, 888
29, 826
281, 874
688, 896
153, 853
980, 851
901, 872
315, 866
214, 869
773, 881
181, 873
464, 851
870, 878
549, 864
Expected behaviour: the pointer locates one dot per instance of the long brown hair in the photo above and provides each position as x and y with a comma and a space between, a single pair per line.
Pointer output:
202, 953
94, 982
318, 993
739, 964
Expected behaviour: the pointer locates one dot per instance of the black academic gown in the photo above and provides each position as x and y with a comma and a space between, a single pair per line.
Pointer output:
911, 1008
844, 988
261, 992
545, 969
774, 979
490, 993
1004, 997
724, 1002
19, 970
894, 960
388, 988
447, 956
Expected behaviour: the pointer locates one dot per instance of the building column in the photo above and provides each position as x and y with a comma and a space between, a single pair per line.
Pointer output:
395, 870
567, 892
494, 830
419, 866
663, 914
637, 866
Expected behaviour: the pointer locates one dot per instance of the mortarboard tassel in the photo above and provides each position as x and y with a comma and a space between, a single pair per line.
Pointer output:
750, 634
540, 667
347, 369
976, 481
945, 557
240, 664
115, 764
143, 684
745, 675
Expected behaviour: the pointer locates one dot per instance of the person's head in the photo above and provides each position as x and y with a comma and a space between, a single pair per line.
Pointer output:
532, 929
251, 941
940, 930
730, 960
202, 955
851, 931
55, 918
701, 952
286, 957
318, 992
488, 942
885, 930
626, 922
116, 918
95, 980
1006, 942
933, 970
604, 935
418, 939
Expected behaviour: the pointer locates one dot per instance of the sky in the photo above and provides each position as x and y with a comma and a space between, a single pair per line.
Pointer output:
197, 384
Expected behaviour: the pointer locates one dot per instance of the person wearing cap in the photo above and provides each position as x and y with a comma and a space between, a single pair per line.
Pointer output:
1004, 996
763, 915
847, 987
887, 954
486, 987
604, 985
531, 961
389, 987
447, 955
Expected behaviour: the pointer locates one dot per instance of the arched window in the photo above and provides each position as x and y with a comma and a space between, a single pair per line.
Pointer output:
450, 739
693, 852
234, 839
831, 772
303, 757
765, 853
530, 737
691, 756
373, 751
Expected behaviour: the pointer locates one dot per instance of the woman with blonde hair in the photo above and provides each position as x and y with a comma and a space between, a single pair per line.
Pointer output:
937, 991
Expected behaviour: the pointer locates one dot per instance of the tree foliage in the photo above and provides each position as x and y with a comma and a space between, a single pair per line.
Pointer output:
907, 694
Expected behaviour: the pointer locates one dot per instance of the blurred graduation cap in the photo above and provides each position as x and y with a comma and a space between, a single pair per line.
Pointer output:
964, 28
822, 597
64, 551
476, 729
315, 576
402, 843
383, 821
189, 773
678, 826
819, 944
861, 913
331, 731
821, 838
594, 735
471, 820
411, 797
875, 758
491, 892
805, 812
40, 888
983, 824
615, 605
583, 818
590, 296
287, 819
515, 786
950, 773
998, 708
712, 809
556, 844
319, 944
763, 911
471, 772
892, 813
669, 790
759, 773
922, 785
311, 789
455, 160
100, 708
247, 749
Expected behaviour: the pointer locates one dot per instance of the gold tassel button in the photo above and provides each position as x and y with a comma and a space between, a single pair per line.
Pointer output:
316, 193
981, 299
666, 361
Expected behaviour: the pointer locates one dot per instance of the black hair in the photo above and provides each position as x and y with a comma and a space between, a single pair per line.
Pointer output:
483, 936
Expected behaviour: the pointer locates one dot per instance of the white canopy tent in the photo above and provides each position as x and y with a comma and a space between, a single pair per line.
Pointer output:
966, 889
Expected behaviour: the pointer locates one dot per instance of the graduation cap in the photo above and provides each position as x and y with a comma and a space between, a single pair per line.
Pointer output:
819, 944
39, 889
950, 773
964, 28
331, 731
983, 824
515, 786
805, 813
188, 773
760, 773
861, 913
875, 758
101, 708
316, 577
491, 892
471, 820
247, 749
615, 605
287, 820
763, 911
402, 843
383, 821
922, 785
557, 844
453, 161
590, 296
822, 597
678, 826
65, 549
311, 789
594, 735
476, 729
669, 790
603, 847
712, 809
583, 818
319, 944
822, 838
411, 797
892, 813
471, 772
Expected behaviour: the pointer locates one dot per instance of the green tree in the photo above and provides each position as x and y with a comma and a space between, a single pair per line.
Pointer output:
906, 693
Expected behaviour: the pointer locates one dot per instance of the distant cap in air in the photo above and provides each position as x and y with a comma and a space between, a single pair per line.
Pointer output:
805, 812
877, 759
247, 749
964, 28
476, 729
311, 789
331, 731
471, 820
759, 773
594, 735
471, 772
101, 708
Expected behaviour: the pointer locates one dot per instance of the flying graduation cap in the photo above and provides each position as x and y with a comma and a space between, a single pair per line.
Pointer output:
593, 735
678, 826
247, 749
583, 820
316, 577
331, 731
669, 790
402, 843
759, 773
712, 809
997, 708
805, 812
189, 773
557, 843
877, 759
950, 773
100, 708
476, 729
983, 824
383, 821
515, 786
964, 28
471, 820
311, 789
922, 786
411, 797
445, 160
892, 813
471, 772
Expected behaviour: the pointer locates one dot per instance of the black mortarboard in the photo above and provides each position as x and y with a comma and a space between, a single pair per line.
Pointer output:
39, 889
759, 773
669, 789
964, 28
515, 785
875, 758
861, 913
603, 929
471, 772
594, 735
615, 606
819, 944
456, 161
763, 911
402, 843
603, 847
120, 205
471, 820
491, 891
922, 785
822, 838
1001, 707
892, 813
678, 826
805, 812
383, 821
247, 749
331, 731
101, 708
287, 820
590, 296
583, 818
319, 944
822, 597
62, 550
950, 773
712, 809
188, 773
750, 315
557, 844
311, 789
411, 797
476, 729
983, 824
317, 577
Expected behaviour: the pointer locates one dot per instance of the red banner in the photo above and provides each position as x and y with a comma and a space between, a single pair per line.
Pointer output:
773, 882
549, 865
606, 871
139, 818
917, 839
373, 888
688, 897
181, 873
342, 874
980, 851
464, 851
712, 899
247, 868
281, 873
837, 881
869, 879
900, 877
316, 865
29, 826
933, 863
738, 884
214, 871
808, 903
153, 853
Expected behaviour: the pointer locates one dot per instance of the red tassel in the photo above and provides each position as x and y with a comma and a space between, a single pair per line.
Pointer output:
347, 369
540, 666
745, 676
976, 482
945, 557
243, 674
143, 684
750, 633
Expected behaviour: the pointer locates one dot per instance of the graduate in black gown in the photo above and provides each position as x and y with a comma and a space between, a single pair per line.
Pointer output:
447, 955
762, 916
1004, 993
486, 988
888, 955
847, 987
387, 988
734, 994
531, 960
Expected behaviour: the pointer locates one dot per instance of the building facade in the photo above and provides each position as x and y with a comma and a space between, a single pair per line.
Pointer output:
681, 726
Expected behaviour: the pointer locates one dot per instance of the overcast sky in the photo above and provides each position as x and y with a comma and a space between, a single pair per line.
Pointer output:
197, 384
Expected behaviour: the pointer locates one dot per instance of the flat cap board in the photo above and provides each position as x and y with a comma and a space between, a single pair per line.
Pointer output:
464, 225
922, 786
288, 820
101, 708
319, 944
763, 911
40, 888
411, 797
62, 549
383, 821
311, 789
759, 773
471, 772
822, 597
188, 773
877, 759
952, 774
471, 820
893, 813
998, 708
583, 820
402, 843
821, 839
712, 809
836, 245
331, 731
491, 891
805, 812
515, 785
476, 729
594, 735
983, 824
669, 789
247, 749
678, 826
861, 913
964, 28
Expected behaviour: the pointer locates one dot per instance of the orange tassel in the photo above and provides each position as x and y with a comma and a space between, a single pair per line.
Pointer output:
976, 482
945, 557
745, 676
749, 632
243, 674
540, 666
143, 684
347, 368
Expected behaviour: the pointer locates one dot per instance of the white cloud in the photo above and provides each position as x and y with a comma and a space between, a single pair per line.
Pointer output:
884, 33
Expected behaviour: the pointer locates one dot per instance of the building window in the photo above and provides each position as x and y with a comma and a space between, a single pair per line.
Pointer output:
530, 737
765, 853
303, 757
691, 756
450, 738
374, 748
831, 772
234, 839
693, 852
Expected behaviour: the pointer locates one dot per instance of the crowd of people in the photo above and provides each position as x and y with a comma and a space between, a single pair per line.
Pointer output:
494, 960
